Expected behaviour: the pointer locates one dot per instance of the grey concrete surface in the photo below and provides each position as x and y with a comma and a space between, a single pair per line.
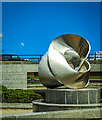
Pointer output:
41, 106
73, 96
84, 113
16, 105
14, 73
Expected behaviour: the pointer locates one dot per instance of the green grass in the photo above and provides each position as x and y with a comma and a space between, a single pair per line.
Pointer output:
33, 77
36, 77
34, 84
95, 77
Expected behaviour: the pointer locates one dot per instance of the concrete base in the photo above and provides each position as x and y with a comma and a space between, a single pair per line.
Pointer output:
40, 106
68, 99
73, 96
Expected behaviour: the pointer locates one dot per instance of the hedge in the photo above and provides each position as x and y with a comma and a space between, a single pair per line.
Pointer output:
18, 95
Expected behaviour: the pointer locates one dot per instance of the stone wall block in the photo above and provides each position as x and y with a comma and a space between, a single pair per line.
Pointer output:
82, 97
4, 68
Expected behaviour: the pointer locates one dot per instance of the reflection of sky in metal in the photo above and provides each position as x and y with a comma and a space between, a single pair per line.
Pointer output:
37, 24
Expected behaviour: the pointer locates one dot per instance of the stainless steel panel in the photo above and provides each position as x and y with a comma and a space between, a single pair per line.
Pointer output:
65, 63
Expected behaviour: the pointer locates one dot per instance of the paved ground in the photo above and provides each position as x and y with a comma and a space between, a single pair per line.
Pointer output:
15, 111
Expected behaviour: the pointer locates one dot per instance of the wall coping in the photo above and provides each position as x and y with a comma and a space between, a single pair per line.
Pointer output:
37, 62
16, 105
19, 62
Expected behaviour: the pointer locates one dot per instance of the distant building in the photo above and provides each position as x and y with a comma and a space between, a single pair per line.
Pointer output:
99, 55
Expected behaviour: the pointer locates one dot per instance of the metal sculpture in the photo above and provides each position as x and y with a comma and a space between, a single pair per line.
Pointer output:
65, 63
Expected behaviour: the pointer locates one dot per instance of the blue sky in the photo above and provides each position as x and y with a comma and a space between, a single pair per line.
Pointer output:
30, 27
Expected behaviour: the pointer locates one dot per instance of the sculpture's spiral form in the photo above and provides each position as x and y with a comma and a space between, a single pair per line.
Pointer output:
65, 63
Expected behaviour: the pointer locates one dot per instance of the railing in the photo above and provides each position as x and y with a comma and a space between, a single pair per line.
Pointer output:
14, 57
38, 57
95, 56
91, 57
31, 57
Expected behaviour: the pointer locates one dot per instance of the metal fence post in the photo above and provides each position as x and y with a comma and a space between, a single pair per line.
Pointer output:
40, 57
95, 56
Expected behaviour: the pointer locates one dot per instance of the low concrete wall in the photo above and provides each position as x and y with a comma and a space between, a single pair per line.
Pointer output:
84, 113
41, 106
14, 73
96, 67
16, 105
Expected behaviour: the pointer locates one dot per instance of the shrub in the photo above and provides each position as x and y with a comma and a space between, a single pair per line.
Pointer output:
19, 96
4, 88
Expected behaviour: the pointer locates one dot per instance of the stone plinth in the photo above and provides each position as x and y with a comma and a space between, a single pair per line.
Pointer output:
68, 99
73, 96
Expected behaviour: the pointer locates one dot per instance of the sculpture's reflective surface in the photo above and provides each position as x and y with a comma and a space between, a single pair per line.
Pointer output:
65, 63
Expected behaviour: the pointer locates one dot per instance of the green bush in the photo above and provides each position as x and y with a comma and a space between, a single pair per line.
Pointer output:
4, 88
19, 96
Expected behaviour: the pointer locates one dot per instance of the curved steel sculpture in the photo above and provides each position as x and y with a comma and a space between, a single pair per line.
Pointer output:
65, 63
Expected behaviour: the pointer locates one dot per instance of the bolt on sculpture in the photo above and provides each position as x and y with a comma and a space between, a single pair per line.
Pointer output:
65, 63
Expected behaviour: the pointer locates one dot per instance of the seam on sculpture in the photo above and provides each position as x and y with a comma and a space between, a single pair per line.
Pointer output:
49, 66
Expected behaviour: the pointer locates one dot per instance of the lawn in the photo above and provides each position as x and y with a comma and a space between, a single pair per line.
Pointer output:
95, 77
